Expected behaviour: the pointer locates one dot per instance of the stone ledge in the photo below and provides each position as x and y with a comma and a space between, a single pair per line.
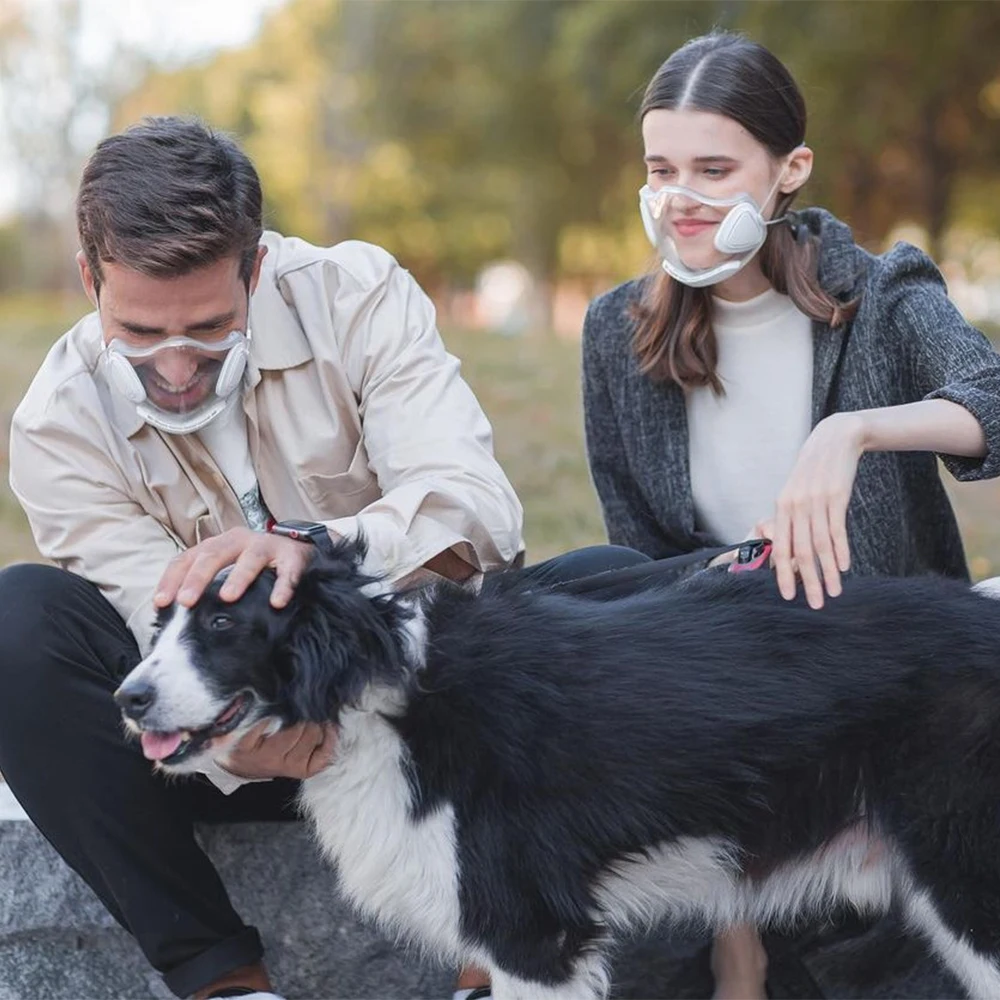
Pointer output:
57, 942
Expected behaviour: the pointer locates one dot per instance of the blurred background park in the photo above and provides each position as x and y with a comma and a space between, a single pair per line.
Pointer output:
492, 146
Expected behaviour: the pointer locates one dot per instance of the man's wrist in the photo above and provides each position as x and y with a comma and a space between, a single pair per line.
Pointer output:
309, 532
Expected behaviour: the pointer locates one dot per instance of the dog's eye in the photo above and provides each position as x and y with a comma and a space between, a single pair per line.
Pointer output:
219, 623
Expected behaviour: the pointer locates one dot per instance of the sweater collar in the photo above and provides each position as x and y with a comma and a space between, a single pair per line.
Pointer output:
840, 266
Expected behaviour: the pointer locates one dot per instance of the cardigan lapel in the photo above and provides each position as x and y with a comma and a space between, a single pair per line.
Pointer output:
657, 414
829, 344
839, 271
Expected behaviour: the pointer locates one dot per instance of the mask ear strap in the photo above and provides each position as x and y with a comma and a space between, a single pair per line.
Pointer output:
789, 216
770, 195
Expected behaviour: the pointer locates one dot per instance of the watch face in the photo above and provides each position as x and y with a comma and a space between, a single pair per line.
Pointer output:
303, 526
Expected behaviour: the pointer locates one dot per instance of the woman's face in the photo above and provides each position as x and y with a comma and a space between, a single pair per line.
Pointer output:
715, 156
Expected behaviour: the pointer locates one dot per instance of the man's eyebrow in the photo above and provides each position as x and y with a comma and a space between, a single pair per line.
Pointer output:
139, 329
211, 323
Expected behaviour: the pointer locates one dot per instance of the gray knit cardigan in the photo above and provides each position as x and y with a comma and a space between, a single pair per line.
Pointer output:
907, 342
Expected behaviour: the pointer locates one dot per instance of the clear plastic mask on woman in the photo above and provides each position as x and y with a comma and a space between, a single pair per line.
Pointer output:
740, 233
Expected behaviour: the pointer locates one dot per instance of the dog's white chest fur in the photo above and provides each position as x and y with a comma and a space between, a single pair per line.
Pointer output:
401, 872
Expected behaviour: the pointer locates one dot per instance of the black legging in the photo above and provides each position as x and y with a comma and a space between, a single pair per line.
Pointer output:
125, 830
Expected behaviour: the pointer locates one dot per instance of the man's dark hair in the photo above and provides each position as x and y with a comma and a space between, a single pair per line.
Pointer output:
166, 197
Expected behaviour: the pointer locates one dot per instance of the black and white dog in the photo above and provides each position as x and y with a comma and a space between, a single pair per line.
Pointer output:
522, 777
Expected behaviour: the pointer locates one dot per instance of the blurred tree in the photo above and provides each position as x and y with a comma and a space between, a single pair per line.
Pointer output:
454, 133
451, 133
526, 108
54, 102
904, 102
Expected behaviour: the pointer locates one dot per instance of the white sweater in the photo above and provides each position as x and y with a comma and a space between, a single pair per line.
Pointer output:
743, 445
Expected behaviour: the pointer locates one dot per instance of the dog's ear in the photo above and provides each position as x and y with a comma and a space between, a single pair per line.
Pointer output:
341, 639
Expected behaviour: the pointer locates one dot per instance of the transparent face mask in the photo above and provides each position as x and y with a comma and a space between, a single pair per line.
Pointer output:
180, 384
739, 234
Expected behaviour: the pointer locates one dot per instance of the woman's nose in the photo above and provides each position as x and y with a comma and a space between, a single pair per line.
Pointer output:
684, 203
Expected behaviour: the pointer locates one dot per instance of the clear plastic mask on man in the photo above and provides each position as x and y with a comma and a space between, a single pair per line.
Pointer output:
179, 385
739, 233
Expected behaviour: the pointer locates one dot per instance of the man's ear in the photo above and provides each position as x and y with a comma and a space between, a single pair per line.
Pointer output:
87, 278
255, 273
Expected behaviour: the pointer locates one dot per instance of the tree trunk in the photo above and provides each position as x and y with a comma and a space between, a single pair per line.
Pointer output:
939, 174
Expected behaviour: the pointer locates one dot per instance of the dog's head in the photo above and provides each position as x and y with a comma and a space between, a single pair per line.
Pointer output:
220, 667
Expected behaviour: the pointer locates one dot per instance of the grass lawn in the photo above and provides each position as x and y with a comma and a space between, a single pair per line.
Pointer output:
528, 386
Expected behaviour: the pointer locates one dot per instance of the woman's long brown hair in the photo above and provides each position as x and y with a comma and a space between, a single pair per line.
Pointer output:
727, 74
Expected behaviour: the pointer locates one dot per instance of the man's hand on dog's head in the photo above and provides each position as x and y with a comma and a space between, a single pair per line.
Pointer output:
300, 751
248, 552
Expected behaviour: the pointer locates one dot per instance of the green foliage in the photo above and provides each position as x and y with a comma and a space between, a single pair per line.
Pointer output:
904, 103
455, 132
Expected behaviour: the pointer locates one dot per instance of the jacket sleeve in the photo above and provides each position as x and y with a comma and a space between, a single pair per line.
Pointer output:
82, 516
628, 519
427, 439
947, 357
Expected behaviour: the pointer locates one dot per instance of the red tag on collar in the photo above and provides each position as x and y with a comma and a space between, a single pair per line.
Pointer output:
752, 555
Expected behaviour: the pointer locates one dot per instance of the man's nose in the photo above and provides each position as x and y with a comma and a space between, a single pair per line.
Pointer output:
177, 367
135, 698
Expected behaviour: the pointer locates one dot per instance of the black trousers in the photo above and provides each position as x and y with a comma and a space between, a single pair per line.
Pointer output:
128, 832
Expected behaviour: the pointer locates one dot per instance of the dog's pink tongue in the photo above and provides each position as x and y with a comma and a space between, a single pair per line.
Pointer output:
156, 746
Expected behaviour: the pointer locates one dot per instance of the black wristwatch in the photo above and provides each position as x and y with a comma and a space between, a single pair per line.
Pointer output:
305, 531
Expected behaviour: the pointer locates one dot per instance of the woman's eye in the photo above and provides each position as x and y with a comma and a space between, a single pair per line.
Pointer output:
219, 623
716, 173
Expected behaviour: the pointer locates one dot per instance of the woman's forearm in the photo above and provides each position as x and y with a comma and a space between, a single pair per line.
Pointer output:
929, 425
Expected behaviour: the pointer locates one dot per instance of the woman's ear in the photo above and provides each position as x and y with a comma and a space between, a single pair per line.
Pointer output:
797, 169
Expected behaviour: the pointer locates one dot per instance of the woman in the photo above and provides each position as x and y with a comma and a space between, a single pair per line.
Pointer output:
736, 390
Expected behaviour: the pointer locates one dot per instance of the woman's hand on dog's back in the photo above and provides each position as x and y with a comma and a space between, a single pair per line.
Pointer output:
248, 552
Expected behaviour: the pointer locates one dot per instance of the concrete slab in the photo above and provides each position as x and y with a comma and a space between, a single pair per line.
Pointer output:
57, 942
10, 808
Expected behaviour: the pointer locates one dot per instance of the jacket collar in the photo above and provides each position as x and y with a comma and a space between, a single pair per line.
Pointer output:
278, 339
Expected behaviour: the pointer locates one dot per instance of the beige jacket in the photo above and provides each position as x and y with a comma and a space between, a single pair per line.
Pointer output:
357, 417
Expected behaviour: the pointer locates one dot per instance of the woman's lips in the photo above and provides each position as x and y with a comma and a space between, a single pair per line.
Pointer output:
691, 227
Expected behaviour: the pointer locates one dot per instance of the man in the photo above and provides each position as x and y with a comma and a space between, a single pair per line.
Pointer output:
235, 399
228, 381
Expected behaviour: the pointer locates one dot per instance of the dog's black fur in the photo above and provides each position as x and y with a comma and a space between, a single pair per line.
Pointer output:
569, 734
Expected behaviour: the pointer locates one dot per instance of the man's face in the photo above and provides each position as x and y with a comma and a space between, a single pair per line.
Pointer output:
143, 311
